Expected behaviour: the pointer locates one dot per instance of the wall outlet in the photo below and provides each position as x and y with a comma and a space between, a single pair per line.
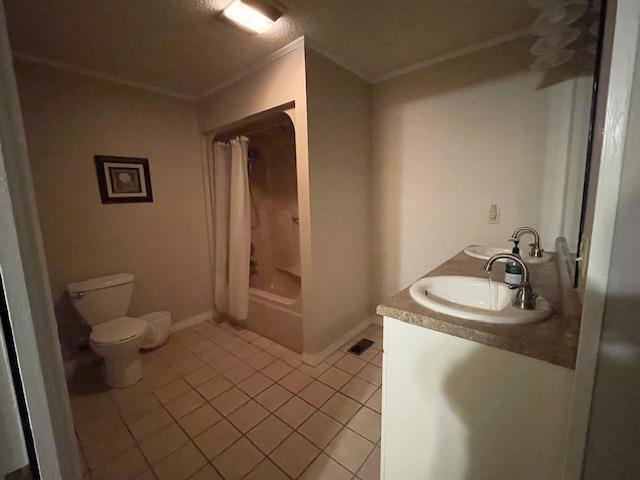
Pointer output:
494, 213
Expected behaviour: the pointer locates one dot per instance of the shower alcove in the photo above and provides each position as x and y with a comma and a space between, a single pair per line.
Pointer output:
275, 309
306, 100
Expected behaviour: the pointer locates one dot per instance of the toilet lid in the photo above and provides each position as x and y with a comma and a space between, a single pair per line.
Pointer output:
118, 330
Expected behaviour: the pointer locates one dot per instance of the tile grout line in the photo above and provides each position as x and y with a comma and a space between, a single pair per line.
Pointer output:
208, 402
163, 406
224, 417
166, 359
316, 409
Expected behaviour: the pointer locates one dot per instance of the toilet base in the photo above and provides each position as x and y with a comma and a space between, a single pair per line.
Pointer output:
122, 372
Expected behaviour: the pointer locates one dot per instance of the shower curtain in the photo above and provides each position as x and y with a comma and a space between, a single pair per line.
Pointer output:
232, 227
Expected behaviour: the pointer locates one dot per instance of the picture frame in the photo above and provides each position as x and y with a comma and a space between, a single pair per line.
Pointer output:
123, 179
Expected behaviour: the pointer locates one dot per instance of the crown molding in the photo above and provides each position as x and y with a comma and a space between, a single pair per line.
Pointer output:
297, 43
451, 55
300, 42
26, 57
322, 51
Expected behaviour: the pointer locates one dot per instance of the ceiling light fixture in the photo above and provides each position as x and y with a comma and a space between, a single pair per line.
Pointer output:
253, 15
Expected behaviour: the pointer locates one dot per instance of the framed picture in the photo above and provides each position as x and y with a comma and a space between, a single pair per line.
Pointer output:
123, 179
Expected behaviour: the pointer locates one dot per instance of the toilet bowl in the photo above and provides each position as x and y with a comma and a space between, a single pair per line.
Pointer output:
118, 342
103, 303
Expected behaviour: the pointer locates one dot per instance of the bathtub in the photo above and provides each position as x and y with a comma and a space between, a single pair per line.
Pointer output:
276, 317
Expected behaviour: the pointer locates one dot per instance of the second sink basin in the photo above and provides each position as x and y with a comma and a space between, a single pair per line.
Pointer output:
484, 252
473, 298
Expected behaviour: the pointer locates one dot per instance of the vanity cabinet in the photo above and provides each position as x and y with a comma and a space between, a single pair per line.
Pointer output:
456, 409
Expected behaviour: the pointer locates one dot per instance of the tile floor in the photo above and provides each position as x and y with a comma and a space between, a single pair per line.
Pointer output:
220, 403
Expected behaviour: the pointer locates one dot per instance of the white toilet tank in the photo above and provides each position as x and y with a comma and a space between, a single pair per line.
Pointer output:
101, 299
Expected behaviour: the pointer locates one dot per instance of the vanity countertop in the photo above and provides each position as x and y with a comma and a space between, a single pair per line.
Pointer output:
554, 340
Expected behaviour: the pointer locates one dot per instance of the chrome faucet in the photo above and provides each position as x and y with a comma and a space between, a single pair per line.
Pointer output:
525, 299
536, 250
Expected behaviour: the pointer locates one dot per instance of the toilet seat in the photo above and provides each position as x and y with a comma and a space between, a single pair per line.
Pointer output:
118, 330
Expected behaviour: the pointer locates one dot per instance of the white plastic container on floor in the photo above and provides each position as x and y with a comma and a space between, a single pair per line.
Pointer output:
159, 326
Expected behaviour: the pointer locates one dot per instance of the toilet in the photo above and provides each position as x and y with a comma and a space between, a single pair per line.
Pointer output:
103, 303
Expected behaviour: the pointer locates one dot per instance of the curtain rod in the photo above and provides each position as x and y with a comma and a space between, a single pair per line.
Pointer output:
224, 136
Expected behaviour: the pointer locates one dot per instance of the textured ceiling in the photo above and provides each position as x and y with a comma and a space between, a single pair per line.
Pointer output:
180, 45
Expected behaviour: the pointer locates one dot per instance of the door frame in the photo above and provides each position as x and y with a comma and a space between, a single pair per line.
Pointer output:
27, 291
620, 54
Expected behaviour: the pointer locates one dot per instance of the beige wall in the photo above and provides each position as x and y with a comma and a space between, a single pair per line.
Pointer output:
277, 83
339, 116
450, 140
69, 119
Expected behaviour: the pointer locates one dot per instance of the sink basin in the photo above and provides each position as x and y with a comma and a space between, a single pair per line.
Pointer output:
484, 252
473, 298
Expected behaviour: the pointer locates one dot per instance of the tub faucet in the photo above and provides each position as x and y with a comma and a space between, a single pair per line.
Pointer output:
525, 299
536, 250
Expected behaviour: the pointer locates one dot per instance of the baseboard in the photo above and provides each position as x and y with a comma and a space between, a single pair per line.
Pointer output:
315, 358
377, 320
192, 320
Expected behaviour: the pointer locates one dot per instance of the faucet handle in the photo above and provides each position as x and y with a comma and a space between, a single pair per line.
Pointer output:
536, 250
522, 285
524, 299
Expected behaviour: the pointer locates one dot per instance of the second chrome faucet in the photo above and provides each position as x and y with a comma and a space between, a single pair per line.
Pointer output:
536, 250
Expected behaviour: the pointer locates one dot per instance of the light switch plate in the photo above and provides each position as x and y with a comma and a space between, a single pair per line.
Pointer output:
494, 213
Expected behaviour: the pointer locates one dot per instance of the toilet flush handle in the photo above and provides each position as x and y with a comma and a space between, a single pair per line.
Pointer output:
76, 295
